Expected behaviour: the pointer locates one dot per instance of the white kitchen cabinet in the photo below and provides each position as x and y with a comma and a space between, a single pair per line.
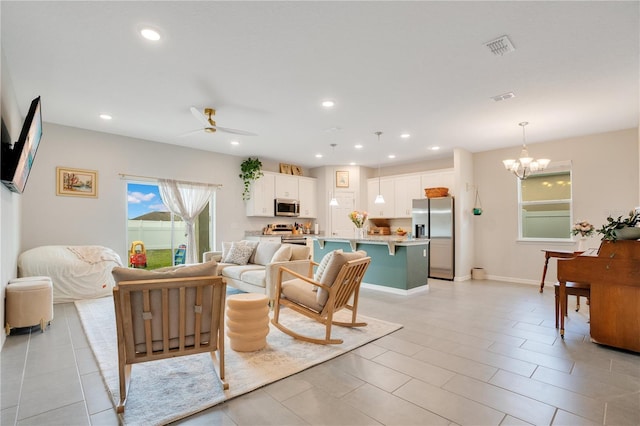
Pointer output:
262, 196
287, 186
406, 189
307, 193
438, 179
387, 190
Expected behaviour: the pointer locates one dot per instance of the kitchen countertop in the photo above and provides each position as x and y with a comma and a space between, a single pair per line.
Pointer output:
391, 241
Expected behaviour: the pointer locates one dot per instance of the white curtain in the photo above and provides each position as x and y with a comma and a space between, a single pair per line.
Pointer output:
186, 200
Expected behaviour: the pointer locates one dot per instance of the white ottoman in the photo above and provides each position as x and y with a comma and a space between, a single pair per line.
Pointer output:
247, 321
29, 302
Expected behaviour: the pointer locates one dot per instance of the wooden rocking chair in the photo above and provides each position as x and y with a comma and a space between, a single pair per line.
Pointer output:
320, 301
168, 317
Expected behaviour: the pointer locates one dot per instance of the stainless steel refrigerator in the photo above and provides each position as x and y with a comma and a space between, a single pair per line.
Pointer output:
433, 218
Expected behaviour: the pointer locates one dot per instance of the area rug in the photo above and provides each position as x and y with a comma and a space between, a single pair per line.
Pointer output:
168, 390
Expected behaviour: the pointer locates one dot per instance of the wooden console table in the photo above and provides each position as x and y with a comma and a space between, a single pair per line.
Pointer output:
561, 254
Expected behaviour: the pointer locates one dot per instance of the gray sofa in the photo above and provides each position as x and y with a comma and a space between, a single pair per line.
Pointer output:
260, 272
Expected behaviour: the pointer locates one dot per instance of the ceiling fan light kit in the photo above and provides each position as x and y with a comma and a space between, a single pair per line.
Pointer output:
210, 125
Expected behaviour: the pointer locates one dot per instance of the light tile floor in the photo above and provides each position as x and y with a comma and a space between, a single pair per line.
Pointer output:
470, 353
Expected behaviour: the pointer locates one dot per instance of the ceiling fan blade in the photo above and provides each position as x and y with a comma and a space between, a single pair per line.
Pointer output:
235, 131
193, 132
199, 116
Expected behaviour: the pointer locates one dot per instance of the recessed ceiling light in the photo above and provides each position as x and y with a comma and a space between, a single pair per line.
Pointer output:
435, 148
503, 96
328, 104
235, 143
353, 163
318, 155
405, 135
358, 146
150, 34
106, 116
392, 156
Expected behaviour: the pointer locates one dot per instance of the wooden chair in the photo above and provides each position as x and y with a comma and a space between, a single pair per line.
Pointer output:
304, 295
168, 317
572, 289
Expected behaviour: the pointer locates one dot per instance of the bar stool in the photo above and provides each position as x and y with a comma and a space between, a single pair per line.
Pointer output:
572, 289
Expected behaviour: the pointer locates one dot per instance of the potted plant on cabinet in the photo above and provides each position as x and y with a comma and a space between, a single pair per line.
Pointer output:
621, 229
251, 169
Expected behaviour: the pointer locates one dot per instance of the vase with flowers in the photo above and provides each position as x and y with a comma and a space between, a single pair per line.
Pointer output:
358, 218
584, 229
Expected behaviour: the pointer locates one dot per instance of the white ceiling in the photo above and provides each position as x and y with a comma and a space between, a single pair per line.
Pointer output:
416, 67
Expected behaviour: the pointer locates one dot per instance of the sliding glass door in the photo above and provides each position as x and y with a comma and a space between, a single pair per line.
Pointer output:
155, 237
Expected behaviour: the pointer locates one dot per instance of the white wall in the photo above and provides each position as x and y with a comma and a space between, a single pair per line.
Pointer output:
605, 181
464, 218
49, 219
9, 202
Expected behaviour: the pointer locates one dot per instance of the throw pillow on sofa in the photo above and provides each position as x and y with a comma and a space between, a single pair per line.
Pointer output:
226, 246
239, 253
264, 252
283, 254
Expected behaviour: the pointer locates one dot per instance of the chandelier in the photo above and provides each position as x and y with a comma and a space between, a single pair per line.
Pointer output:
379, 198
525, 165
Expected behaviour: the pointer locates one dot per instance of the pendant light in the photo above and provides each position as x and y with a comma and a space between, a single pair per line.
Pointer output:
525, 165
333, 202
379, 197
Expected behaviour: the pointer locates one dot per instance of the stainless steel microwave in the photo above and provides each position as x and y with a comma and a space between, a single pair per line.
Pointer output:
286, 207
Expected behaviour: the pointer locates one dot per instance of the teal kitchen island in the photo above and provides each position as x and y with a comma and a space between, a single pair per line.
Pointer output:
398, 265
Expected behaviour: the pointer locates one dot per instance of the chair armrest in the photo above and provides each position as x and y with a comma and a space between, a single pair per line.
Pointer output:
300, 267
209, 256
284, 270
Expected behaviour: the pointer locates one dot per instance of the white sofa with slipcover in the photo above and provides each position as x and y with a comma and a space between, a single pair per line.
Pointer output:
252, 266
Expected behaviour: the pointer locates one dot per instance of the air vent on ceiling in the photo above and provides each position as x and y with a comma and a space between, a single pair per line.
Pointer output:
503, 96
500, 46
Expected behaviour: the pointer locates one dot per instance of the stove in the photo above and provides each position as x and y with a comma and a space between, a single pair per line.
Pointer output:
279, 229
286, 233
294, 239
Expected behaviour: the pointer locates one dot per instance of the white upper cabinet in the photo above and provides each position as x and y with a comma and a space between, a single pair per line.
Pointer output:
307, 193
287, 186
399, 191
407, 188
388, 193
278, 185
438, 179
262, 196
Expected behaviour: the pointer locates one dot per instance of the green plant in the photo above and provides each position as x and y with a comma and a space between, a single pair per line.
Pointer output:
609, 228
250, 170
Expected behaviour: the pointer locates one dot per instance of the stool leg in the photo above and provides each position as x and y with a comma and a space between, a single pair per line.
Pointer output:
577, 303
41, 325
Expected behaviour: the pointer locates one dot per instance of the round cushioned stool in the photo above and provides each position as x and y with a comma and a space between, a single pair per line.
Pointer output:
247, 321
29, 302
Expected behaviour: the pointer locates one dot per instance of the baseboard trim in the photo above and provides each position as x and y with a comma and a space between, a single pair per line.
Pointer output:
385, 289
513, 280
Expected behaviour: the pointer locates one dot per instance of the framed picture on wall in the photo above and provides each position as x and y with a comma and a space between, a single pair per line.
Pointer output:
76, 182
342, 179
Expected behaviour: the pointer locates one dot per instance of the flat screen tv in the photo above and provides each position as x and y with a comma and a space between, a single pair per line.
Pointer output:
18, 160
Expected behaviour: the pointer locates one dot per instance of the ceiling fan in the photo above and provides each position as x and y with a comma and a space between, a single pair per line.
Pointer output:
210, 125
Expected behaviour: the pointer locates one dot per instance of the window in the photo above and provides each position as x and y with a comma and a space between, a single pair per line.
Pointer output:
161, 232
545, 205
